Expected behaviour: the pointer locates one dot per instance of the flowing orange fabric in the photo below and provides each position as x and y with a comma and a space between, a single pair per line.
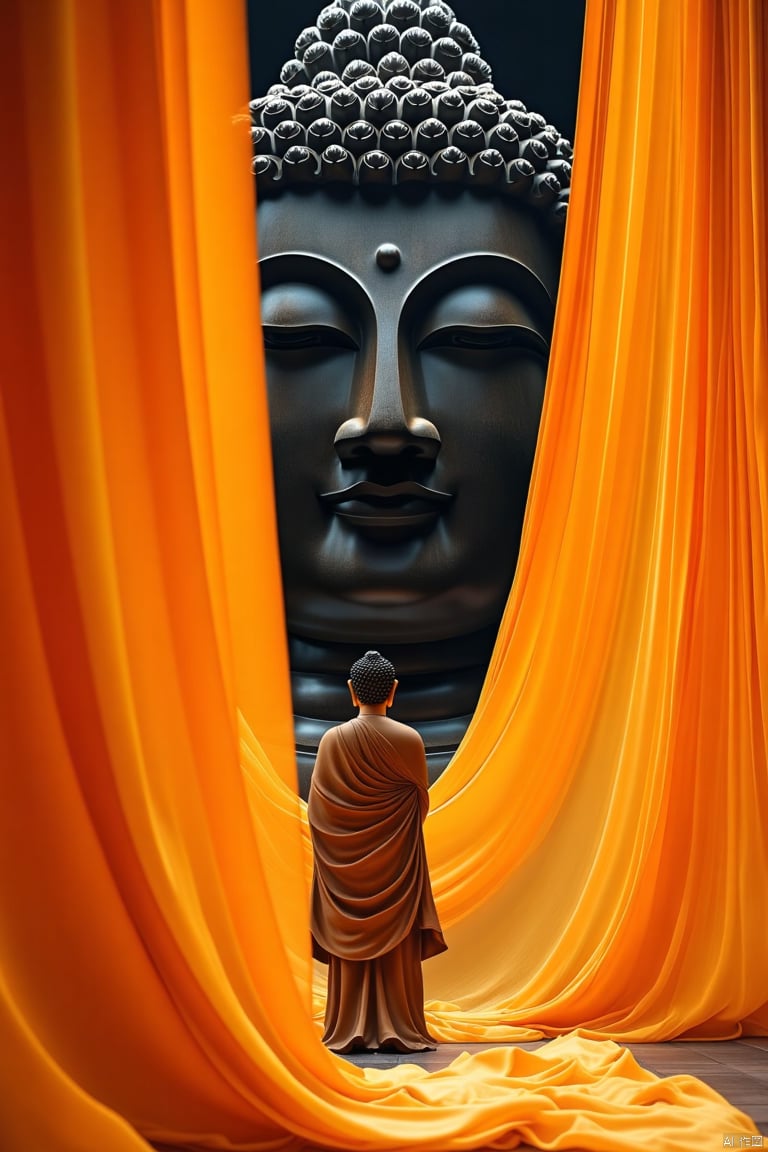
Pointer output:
625, 713
598, 847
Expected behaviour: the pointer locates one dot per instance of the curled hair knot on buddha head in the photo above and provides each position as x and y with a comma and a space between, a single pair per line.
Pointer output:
372, 678
397, 93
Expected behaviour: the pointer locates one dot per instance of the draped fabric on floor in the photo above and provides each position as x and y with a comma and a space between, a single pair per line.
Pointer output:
598, 847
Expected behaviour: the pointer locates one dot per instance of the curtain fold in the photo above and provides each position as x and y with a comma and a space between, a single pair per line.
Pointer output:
633, 829
599, 846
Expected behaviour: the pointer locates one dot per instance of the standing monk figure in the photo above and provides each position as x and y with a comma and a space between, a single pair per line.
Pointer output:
373, 915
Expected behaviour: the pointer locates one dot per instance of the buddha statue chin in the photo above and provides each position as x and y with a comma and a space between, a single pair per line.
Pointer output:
407, 330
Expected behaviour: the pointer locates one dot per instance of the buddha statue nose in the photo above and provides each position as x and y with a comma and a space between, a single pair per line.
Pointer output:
385, 430
358, 439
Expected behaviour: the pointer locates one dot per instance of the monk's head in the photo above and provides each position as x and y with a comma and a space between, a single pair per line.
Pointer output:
372, 678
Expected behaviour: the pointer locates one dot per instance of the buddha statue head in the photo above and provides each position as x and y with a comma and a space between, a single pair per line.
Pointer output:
410, 224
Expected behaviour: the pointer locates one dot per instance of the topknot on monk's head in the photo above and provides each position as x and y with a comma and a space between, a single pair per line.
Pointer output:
372, 675
405, 98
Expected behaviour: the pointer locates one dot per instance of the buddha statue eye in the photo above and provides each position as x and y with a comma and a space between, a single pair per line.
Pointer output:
514, 337
295, 338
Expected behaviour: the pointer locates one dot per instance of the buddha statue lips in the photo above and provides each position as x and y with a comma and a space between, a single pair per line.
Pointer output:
410, 223
377, 509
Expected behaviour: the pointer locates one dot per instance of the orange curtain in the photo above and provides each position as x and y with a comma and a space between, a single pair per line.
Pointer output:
612, 792
598, 846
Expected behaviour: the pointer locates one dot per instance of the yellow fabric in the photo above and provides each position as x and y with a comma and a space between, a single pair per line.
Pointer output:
598, 847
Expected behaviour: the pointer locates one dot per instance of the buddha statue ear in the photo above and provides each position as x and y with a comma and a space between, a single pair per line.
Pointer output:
390, 699
353, 694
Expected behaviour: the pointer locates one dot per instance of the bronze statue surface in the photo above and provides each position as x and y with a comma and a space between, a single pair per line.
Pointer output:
407, 312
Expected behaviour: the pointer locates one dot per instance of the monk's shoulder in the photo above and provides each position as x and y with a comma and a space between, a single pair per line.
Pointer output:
405, 736
334, 738
325, 748
328, 737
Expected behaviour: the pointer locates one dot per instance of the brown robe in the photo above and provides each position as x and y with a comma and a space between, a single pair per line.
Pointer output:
373, 915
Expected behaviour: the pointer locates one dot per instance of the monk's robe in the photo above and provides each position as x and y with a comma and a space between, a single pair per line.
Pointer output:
373, 914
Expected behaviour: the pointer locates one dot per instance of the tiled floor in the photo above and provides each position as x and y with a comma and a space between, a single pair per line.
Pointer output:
737, 1069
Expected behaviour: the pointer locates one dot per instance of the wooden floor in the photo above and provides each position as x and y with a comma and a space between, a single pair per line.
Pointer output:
737, 1069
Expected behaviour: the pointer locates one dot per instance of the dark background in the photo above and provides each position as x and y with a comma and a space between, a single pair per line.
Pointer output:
533, 47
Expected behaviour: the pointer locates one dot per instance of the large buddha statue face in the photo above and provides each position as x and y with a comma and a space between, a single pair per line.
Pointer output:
406, 350
409, 268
